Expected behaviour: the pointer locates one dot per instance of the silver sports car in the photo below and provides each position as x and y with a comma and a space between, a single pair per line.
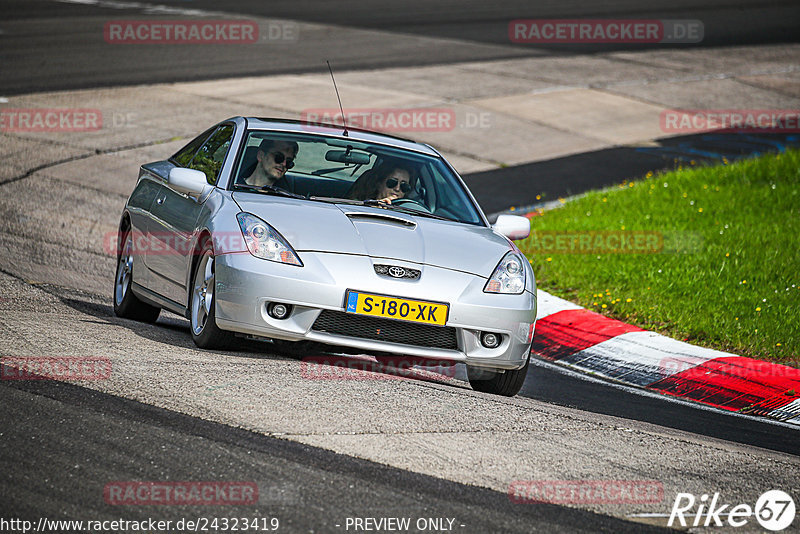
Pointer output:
350, 239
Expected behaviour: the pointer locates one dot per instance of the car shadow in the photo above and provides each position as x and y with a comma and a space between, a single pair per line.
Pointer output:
169, 328
319, 362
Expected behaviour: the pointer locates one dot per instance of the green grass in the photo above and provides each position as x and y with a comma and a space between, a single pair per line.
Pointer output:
728, 276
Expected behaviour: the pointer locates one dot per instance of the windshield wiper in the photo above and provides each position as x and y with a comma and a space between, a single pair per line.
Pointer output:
373, 203
403, 209
272, 190
352, 202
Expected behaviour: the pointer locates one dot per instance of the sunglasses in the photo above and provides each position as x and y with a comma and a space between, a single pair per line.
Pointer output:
279, 158
391, 183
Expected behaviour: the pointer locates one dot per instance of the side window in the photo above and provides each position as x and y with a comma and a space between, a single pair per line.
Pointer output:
185, 155
211, 155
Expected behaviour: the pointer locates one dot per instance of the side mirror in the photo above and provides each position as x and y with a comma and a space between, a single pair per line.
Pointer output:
188, 181
513, 226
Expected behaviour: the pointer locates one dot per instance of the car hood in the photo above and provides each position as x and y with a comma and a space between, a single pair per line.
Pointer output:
378, 233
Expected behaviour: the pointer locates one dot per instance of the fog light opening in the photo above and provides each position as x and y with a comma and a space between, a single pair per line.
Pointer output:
279, 311
490, 340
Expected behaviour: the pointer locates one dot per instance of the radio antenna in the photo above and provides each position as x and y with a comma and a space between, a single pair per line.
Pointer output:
344, 119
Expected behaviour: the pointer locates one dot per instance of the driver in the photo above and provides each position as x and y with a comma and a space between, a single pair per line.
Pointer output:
390, 181
274, 159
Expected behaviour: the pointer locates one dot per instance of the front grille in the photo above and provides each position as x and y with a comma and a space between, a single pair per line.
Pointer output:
406, 333
395, 271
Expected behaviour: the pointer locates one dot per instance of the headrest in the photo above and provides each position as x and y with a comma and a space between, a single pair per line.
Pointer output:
249, 162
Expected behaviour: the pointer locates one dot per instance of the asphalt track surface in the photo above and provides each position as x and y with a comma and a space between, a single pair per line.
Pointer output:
89, 437
47, 45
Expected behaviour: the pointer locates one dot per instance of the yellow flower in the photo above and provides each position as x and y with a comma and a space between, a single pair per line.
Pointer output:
594, 304
700, 210
758, 309
727, 254
538, 197
549, 259
777, 344
628, 300
605, 199
604, 306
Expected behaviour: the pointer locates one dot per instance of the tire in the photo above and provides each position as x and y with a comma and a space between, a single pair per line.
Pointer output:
126, 304
202, 305
507, 384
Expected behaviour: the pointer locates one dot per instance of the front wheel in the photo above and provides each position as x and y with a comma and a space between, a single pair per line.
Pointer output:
507, 384
205, 332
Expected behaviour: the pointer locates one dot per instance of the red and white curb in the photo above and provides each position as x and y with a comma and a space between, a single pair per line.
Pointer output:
582, 339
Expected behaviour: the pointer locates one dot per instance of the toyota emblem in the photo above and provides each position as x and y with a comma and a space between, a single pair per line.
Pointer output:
396, 272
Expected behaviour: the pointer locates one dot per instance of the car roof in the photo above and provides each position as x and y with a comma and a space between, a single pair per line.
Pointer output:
332, 130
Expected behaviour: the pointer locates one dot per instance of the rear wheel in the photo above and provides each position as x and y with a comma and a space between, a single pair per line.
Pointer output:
498, 383
205, 332
126, 304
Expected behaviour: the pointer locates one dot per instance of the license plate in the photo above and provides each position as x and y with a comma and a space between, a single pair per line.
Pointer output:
418, 311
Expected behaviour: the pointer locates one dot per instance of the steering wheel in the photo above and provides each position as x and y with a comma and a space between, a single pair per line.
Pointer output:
413, 204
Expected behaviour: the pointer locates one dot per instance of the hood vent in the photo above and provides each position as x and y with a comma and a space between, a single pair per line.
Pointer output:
383, 217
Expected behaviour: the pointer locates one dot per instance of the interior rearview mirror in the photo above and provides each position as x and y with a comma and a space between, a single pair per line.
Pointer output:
347, 156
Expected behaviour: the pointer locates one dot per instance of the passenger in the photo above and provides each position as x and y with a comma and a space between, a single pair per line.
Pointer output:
390, 181
274, 159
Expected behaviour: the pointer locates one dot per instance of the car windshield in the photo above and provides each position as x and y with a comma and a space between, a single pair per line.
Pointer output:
319, 168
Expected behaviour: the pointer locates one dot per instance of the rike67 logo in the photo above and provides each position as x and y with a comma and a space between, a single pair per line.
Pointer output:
774, 510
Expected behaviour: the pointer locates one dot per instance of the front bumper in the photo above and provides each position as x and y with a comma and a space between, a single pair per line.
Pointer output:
245, 285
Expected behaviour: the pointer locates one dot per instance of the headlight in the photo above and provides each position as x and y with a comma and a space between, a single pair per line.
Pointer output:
508, 276
264, 242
